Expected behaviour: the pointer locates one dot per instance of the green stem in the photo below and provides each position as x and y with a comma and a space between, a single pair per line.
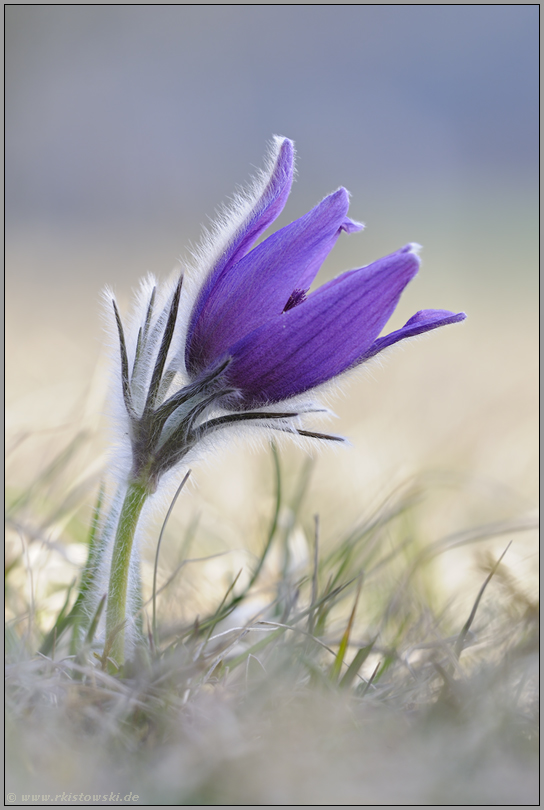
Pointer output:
117, 591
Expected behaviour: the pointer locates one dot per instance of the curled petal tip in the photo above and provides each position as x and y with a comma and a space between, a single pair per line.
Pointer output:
352, 226
412, 247
423, 321
430, 317
340, 199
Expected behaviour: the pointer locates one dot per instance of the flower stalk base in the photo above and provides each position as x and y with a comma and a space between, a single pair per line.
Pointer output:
118, 586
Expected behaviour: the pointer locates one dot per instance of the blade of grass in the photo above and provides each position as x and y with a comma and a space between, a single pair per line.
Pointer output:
313, 598
370, 681
78, 614
81, 656
218, 611
323, 610
156, 565
339, 660
303, 482
458, 648
273, 524
94, 622
60, 625
358, 661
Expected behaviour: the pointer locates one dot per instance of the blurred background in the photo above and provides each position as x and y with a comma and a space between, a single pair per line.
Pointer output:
127, 126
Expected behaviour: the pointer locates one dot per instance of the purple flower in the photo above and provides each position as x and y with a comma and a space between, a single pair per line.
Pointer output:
199, 358
253, 335
254, 307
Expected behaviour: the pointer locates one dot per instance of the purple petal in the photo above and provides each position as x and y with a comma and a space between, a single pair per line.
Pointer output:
323, 336
421, 322
273, 276
262, 213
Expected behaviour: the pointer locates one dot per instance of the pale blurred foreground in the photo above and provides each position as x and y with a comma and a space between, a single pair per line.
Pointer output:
440, 477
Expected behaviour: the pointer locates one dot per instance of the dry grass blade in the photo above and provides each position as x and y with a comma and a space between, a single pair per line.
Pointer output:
459, 644
216, 618
371, 680
315, 584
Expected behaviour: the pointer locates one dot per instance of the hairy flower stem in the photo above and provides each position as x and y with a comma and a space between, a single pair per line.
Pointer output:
117, 590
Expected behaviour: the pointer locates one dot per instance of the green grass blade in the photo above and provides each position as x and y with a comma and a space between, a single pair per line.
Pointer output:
339, 660
358, 661
62, 622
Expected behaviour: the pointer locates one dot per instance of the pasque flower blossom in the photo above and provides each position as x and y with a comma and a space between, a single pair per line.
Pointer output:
251, 335
254, 305
244, 339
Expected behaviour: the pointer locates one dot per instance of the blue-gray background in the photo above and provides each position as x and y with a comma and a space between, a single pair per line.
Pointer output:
145, 116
